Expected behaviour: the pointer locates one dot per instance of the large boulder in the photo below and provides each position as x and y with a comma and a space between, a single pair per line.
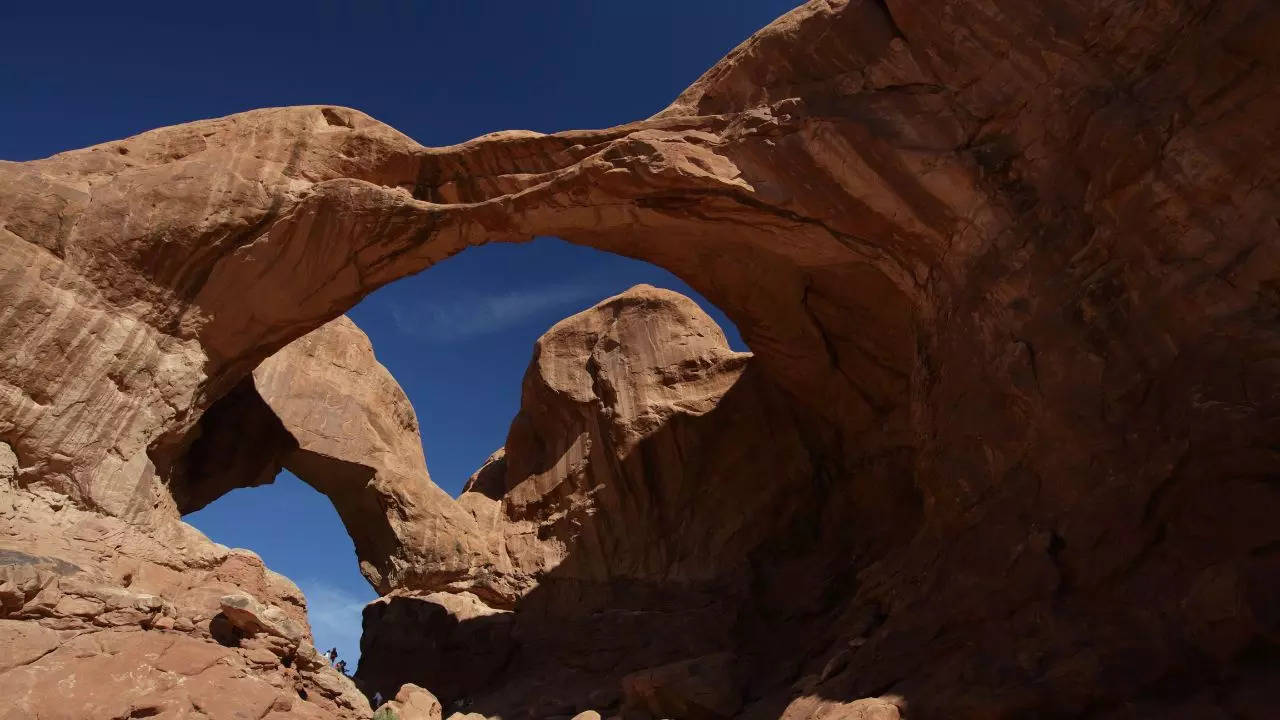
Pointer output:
412, 703
245, 613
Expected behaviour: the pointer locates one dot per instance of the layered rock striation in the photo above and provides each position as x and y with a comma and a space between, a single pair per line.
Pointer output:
1008, 271
100, 618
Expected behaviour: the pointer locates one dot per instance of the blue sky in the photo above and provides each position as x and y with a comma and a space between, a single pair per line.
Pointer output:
458, 336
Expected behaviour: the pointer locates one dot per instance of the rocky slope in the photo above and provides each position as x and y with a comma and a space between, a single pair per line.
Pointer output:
1009, 269
100, 618
107, 618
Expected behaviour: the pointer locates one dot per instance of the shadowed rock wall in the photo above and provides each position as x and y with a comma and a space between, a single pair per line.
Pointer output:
658, 500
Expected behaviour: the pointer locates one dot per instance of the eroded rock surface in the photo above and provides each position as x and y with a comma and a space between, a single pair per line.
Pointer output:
414, 703
1009, 268
100, 618
629, 513
324, 408
88, 598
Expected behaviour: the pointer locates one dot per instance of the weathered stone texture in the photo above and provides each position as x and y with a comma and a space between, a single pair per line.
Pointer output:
1009, 272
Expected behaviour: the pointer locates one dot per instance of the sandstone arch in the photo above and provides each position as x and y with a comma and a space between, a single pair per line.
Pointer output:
1020, 256
324, 408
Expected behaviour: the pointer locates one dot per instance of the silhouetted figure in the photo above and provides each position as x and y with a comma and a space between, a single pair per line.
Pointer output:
332, 655
341, 667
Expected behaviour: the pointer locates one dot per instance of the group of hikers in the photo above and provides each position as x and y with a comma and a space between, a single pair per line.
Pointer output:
339, 665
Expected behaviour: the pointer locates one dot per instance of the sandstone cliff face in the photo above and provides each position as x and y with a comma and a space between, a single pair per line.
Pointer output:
108, 618
633, 506
1011, 267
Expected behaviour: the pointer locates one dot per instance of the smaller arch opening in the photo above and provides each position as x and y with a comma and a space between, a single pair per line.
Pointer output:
297, 533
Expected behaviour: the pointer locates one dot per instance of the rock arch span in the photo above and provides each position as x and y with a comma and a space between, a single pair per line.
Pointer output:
323, 408
1021, 259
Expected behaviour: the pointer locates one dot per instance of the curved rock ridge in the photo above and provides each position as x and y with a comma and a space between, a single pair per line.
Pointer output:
1011, 268
323, 408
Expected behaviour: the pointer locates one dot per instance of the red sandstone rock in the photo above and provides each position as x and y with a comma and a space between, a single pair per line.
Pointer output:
106, 619
414, 703
635, 417
325, 409
1008, 271
699, 688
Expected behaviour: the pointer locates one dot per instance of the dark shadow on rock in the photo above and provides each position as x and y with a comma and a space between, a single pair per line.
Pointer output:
409, 639
1152, 598
727, 534
224, 632
361, 507
239, 442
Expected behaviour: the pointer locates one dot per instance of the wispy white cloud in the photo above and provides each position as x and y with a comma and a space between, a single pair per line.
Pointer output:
335, 616
470, 315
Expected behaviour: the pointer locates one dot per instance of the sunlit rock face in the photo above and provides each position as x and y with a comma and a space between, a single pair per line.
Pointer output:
1009, 275
101, 618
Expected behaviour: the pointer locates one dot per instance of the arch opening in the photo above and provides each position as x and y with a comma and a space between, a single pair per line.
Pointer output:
829, 311
455, 341
831, 316
458, 336
470, 323
297, 533
661, 474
